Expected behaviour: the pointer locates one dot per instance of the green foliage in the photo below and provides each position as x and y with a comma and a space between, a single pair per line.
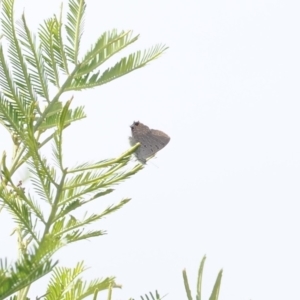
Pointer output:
215, 292
152, 296
30, 65
14, 277
66, 284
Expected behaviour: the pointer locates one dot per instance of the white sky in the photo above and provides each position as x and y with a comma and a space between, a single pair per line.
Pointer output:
227, 185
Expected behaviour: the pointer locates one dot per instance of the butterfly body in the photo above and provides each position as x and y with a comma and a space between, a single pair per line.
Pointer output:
151, 140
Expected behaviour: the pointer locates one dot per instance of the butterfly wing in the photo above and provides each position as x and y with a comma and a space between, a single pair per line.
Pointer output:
139, 132
151, 140
160, 137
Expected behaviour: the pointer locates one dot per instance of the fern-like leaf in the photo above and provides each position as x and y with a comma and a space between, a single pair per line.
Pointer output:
126, 65
110, 43
21, 274
65, 283
74, 28
15, 54
33, 56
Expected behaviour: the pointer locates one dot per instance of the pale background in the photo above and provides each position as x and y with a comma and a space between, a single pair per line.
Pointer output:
227, 185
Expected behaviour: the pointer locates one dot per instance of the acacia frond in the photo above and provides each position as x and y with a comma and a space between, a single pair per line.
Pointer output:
58, 136
21, 212
46, 247
66, 225
65, 284
43, 178
14, 277
110, 43
10, 116
33, 55
19, 67
53, 55
126, 65
13, 106
69, 229
74, 28
90, 184
8, 85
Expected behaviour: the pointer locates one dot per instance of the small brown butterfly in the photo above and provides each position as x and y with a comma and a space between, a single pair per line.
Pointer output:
151, 140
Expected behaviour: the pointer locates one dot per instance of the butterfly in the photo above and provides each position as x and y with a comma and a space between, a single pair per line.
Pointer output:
151, 140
